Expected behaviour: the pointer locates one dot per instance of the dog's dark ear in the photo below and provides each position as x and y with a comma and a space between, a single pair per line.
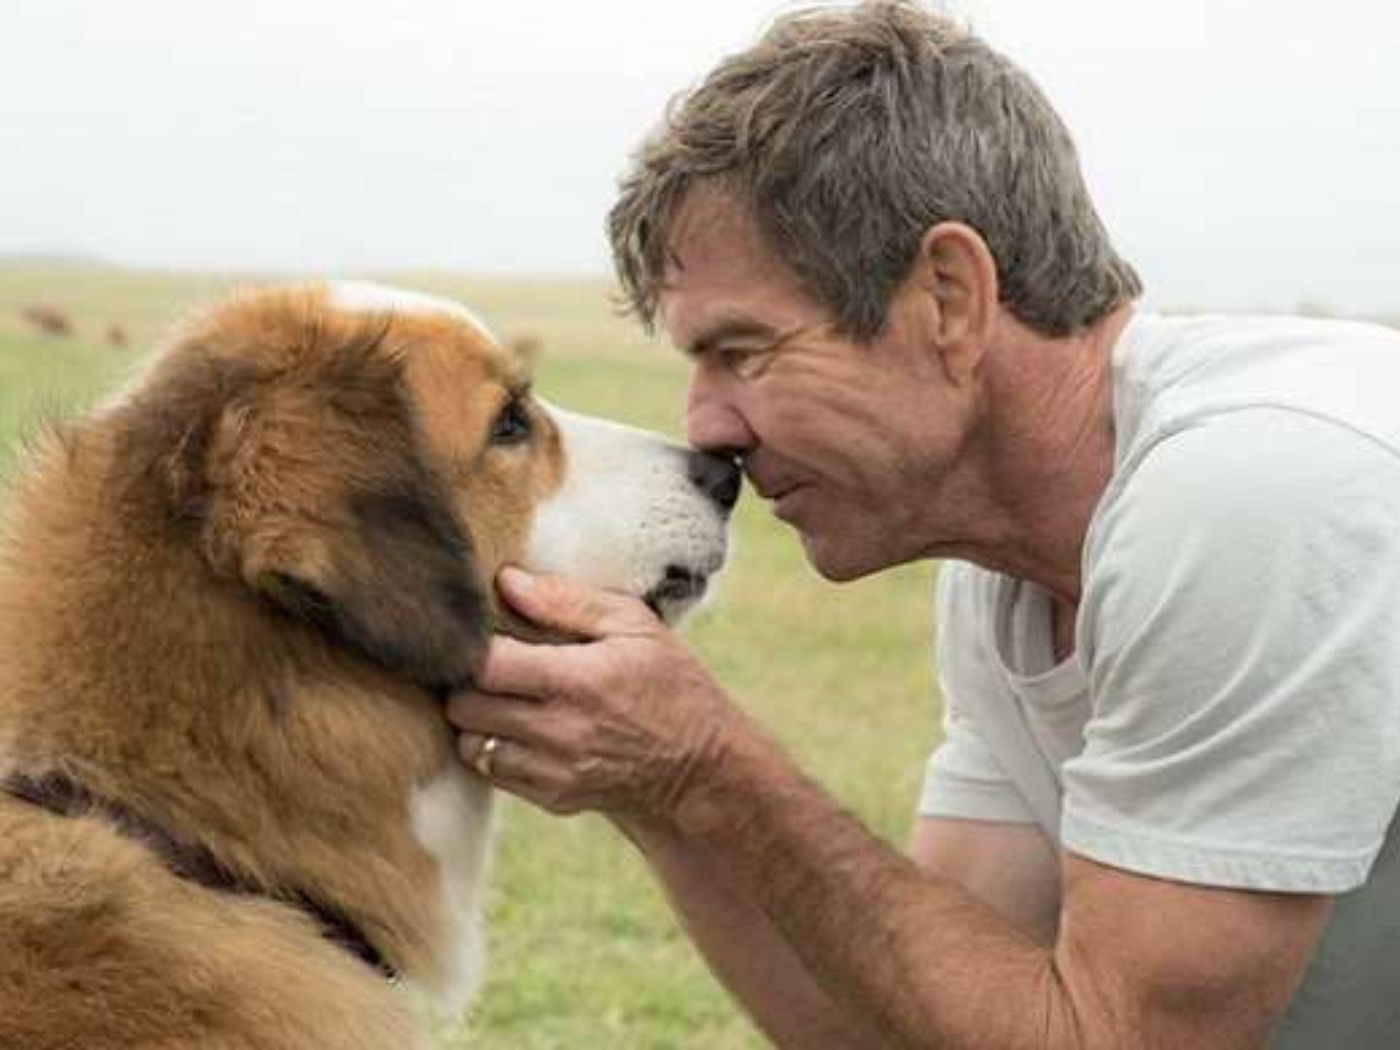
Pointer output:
349, 527
394, 580
303, 472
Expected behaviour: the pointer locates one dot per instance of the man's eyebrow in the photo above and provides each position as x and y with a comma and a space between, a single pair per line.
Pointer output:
725, 329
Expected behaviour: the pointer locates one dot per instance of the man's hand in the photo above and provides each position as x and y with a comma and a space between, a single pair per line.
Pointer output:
621, 722
855, 945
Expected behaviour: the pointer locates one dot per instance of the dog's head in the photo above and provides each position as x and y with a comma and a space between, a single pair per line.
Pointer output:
364, 460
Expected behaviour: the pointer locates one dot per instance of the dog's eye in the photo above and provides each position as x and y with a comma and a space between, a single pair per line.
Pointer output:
512, 426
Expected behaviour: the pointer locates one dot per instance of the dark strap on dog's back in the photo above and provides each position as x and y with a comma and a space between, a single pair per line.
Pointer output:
65, 797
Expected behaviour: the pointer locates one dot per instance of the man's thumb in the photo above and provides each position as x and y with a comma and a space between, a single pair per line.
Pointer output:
566, 606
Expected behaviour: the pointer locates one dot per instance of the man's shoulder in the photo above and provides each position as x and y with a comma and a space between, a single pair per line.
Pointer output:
1150, 330
1250, 474
1175, 373
1262, 521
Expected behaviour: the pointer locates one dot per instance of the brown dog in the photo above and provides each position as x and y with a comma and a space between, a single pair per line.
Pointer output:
231, 602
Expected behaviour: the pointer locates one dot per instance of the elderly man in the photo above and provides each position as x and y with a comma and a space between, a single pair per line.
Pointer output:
1169, 637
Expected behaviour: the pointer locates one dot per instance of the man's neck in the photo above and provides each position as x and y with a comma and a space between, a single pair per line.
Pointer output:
1050, 449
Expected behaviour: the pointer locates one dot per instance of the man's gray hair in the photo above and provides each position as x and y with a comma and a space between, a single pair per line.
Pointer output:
846, 133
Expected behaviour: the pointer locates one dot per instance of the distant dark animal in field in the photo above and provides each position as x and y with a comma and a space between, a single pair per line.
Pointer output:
48, 320
117, 337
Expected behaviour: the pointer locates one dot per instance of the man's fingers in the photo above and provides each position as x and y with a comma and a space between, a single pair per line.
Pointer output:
570, 607
484, 714
521, 669
515, 767
482, 752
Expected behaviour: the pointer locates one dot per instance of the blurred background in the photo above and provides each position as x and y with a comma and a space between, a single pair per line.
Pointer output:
159, 152
1242, 151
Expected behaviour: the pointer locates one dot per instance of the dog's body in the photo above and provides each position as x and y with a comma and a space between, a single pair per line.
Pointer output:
231, 602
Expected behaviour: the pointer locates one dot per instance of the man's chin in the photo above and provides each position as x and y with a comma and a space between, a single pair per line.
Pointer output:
837, 562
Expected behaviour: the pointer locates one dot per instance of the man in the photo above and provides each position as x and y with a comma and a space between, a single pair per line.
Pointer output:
1169, 642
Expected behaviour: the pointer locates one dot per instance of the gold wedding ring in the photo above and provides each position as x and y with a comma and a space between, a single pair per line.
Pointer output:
486, 756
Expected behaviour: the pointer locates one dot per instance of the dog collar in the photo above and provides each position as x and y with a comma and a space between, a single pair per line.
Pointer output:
65, 797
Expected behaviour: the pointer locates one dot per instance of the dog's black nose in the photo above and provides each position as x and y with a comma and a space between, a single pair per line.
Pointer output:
715, 476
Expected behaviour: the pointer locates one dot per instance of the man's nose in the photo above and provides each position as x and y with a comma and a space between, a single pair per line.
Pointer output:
713, 423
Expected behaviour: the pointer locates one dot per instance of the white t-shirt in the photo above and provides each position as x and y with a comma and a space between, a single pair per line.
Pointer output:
1231, 715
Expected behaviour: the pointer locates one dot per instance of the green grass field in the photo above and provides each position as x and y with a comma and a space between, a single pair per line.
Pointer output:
584, 953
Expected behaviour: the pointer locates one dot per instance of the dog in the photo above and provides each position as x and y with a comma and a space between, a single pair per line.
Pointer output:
232, 601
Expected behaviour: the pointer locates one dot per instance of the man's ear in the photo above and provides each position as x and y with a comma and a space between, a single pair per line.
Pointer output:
955, 268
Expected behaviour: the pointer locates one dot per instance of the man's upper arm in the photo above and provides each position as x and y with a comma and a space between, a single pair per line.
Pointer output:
1148, 962
1010, 866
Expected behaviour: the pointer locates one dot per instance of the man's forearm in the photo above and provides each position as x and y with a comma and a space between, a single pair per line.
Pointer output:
743, 949
914, 957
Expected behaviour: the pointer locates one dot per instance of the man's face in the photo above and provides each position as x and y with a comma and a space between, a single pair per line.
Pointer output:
852, 442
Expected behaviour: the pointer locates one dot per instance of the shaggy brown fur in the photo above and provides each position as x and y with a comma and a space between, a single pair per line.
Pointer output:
232, 599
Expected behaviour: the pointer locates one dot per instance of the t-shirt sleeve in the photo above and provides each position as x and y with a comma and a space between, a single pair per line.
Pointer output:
963, 777
1240, 628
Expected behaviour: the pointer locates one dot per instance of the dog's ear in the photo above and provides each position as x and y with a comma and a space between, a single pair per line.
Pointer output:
311, 482
347, 524
392, 579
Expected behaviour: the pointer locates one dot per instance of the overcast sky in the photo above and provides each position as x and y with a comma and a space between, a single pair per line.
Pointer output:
1244, 152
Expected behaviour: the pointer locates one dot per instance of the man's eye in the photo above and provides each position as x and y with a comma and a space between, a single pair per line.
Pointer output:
741, 361
512, 426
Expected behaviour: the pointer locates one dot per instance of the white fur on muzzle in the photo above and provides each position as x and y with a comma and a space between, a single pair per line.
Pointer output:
629, 517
